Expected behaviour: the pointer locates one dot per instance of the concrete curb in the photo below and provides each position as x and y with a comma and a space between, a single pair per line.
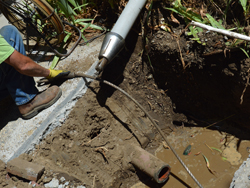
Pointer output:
51, 122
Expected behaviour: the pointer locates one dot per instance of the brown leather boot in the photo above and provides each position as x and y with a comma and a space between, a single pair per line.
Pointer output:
40, 102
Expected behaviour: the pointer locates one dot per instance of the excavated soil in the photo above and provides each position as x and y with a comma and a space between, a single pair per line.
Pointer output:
194, 98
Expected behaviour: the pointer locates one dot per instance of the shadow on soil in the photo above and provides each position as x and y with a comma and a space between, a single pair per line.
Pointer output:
114, 71
208, 91
9, 112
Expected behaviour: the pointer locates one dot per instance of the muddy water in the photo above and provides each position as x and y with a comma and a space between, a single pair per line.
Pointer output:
223, 164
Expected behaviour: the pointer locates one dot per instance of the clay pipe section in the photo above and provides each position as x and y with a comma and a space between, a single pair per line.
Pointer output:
148, 163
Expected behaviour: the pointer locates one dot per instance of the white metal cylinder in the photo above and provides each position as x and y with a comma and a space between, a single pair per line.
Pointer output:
128, 17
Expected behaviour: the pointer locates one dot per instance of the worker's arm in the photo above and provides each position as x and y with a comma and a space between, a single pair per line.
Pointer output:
27, 66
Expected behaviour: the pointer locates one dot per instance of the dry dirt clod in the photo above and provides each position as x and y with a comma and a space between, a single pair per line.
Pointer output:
232, 155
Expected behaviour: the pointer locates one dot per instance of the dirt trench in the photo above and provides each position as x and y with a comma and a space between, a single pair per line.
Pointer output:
183, 94
90, 145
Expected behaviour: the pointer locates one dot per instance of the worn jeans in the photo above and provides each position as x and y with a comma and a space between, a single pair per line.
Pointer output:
21, 88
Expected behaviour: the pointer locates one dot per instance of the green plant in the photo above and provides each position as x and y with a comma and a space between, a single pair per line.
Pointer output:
244, 6
188, 15
67, 10
214, 23
72, 11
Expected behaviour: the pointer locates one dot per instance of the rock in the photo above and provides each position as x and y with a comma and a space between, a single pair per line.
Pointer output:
24, 169
232, 155
14, 178
66, 183
47, 180
241, 176
62, 179
150, 77
53, 184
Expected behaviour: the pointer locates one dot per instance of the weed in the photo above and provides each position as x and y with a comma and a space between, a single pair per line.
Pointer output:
71, 9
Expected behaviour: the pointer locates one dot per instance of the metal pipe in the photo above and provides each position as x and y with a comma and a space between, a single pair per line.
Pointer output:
128, 17
114, 41
149, 164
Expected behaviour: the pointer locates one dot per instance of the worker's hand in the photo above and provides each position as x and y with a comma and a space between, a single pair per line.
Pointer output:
57, 73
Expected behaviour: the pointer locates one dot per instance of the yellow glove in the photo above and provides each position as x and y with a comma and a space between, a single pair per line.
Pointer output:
57, 73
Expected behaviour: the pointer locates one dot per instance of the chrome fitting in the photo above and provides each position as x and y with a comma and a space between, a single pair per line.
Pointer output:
112, 44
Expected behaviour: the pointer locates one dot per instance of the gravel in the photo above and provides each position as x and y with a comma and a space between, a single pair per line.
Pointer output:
241, 177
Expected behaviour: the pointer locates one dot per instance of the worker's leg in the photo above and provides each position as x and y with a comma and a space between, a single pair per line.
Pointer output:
21, 88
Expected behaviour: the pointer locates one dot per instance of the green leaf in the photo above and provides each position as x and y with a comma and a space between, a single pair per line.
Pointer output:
224, 158
244, 4
91, 25
67, 36
111, 2
194, 31
82, 30
57, 58
199, 30
216, 149
245, 52
85, 26
84, 5
197, 39
84, 38
187, 14
214, 23
83, 20
67, 10
75, 4
54, 62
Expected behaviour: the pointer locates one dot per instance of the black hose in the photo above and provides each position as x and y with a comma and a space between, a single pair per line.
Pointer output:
90, 40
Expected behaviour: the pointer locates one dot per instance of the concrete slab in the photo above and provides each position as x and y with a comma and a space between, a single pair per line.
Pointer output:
17, 135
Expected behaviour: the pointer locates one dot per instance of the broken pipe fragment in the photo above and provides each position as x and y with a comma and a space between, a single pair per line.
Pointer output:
148, 163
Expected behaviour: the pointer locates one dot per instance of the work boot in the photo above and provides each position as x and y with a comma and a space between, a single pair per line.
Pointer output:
40, 102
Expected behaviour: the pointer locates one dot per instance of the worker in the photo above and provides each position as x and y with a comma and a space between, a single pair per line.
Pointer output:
17, 72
